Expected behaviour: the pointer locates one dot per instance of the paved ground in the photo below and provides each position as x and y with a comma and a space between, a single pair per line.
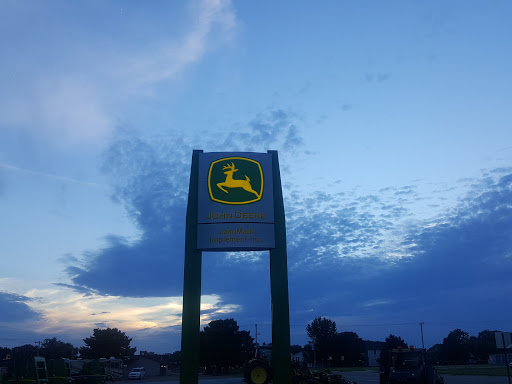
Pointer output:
176, 378
361, 377
368, 377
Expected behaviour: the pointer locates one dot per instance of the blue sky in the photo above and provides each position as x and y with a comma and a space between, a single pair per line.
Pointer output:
394, 131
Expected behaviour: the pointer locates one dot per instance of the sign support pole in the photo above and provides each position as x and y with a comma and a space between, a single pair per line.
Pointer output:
190, 337
506, 356
190, 322
281, 361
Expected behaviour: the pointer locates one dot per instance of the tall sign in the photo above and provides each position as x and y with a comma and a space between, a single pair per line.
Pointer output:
235, 204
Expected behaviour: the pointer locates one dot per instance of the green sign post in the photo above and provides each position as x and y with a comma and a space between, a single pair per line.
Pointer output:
235, 203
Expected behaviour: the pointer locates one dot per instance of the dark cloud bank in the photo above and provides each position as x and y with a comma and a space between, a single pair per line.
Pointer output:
16, 318
459, 266
13, 308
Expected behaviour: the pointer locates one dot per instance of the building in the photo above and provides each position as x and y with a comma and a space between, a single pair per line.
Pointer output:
499, 359
298, 357
373, 349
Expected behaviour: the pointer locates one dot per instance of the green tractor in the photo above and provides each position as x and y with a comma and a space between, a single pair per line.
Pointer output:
259, 371
31, 370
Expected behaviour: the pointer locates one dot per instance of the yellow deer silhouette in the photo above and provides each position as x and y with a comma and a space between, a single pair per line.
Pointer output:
232, 183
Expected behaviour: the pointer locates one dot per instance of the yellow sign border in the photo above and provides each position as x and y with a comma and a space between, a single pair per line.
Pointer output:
230, 202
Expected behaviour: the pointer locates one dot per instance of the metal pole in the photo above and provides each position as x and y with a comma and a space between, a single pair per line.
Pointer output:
506, 356
190, 320
422, 342
281, 362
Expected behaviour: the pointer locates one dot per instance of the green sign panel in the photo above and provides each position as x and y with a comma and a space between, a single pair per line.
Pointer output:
235, 180
236, 202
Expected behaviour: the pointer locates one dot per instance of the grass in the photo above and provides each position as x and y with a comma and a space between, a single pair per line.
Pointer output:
473, 370
470, 370
353, 369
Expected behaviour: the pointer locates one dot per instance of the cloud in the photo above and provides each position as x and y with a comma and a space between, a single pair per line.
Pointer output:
81, 86
208, 17
349, 254
378, 78
452, 268
150, 178
14, 308
13, 168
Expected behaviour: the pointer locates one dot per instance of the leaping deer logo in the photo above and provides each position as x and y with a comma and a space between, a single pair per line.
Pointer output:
235, 183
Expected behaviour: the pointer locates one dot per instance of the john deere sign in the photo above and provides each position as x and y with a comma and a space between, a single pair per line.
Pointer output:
244, 188
236, 202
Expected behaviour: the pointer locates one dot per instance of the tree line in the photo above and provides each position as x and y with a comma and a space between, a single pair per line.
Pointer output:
224, 345
110, 342
457, 348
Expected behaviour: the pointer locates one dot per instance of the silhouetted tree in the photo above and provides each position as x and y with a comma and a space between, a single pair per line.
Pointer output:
54, 349
393, 342
23, 357
172, 359
456, 346
224, 345
322, 333
4, 352
351, 347
485, 344
296, 349
110, 342
435, 353
308, 353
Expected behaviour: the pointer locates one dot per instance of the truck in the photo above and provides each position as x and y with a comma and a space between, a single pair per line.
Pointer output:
407, 366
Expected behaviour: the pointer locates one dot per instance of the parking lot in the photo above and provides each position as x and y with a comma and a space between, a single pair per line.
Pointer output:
372, 377
361, 377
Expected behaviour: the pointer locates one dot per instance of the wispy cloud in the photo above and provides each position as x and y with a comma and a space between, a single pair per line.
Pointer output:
13, 168
77, 96
168, 59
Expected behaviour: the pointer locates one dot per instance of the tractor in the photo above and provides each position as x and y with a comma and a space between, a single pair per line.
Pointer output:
259, 371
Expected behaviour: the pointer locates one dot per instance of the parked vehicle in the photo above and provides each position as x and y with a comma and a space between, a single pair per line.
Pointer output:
111, 368
137, 373
259, 371
38, 370
409, 365
29, 371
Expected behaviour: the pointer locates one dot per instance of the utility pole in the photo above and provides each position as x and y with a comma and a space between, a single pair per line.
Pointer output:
256, 325
38, 346
422, 342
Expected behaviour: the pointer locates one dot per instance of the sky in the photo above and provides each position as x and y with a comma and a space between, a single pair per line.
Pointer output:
393, 126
